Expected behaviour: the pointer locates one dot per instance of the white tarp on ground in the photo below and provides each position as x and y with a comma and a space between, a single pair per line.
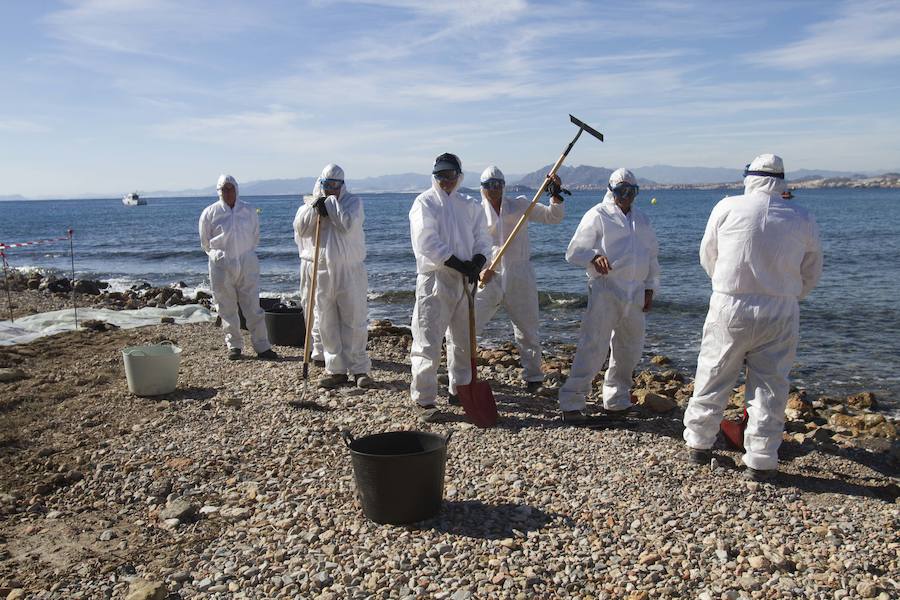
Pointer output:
29, 328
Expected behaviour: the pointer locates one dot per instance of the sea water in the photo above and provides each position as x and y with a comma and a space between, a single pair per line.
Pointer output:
850, 325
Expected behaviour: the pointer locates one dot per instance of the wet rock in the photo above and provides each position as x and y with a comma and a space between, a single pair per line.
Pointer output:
660, 359
87, 286
863, 400
167, 320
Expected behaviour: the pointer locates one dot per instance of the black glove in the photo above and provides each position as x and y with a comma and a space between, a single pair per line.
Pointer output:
554, 190
320, 206
474, 267
457, 265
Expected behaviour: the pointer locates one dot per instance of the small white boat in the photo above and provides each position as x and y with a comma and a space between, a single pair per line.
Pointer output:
133, 199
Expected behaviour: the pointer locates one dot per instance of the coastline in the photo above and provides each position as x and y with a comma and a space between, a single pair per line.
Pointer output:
226, 488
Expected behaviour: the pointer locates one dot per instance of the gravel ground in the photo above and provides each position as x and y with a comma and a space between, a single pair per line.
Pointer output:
230, 488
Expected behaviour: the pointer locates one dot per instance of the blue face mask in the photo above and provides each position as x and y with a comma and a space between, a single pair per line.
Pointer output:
625, 191
493, 184
748, 172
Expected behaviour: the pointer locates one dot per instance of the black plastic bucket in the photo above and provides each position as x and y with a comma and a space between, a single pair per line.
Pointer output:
265, 304
286, 326
399, 474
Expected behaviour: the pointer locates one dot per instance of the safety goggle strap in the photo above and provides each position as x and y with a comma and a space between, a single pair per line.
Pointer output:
748, 172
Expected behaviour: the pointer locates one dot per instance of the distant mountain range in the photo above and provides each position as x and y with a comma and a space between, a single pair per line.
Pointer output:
580, 177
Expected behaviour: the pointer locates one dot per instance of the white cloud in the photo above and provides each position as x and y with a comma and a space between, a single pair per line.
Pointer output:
864, 32
22, 126
145, 27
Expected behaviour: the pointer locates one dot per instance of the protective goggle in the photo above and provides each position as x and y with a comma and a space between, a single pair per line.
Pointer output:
447, 175
331, 184
493, 184
626, 191
748, 172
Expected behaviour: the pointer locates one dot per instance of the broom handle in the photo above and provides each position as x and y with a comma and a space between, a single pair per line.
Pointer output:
537, 196
311, 301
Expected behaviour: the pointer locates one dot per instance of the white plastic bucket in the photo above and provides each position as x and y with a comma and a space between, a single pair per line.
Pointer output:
152, 370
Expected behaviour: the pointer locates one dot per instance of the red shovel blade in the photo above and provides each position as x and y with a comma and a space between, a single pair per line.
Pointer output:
477, 401
734, 431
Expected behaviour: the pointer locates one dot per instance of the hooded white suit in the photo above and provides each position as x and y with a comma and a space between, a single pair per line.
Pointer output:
442, 226
763, 255
229, 237
341, 311
614, 313
514, 287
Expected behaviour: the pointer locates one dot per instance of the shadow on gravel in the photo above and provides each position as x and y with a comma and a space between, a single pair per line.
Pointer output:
475, 519
190, 393
822, 485
390, 366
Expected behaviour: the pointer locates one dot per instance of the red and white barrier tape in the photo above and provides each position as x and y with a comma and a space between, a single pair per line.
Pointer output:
36, 242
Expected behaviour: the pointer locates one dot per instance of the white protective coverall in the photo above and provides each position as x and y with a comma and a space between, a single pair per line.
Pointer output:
229, 237
341, 310
614, 313
441, 226
514, 286
762, 254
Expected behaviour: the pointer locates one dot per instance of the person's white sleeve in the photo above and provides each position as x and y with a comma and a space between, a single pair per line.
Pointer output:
484, 244
585, 244
709, 245
652, 281
425, 238
811, 266
343, 214
550, 215
305, 222
204, 232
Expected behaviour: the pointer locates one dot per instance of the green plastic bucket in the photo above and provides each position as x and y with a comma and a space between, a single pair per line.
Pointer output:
152, 370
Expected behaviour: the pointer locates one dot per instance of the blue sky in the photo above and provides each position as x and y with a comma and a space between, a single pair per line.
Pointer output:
106, 96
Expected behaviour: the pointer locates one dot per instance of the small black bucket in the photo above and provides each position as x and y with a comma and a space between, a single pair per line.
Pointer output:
399, 474
264, 303
286, 326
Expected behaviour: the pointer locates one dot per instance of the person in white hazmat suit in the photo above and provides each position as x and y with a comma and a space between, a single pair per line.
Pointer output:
617, 246
513, 285
229, 233
763, 255
450, 242
341, 310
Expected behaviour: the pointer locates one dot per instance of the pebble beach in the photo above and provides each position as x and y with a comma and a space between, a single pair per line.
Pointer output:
238, 485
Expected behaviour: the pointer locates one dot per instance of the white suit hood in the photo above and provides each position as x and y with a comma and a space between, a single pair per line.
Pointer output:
331, 171
223, 179
769, 163
620, 175
492, 172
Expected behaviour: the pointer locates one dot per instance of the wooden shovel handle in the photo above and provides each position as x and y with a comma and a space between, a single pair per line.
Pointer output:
311, 301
